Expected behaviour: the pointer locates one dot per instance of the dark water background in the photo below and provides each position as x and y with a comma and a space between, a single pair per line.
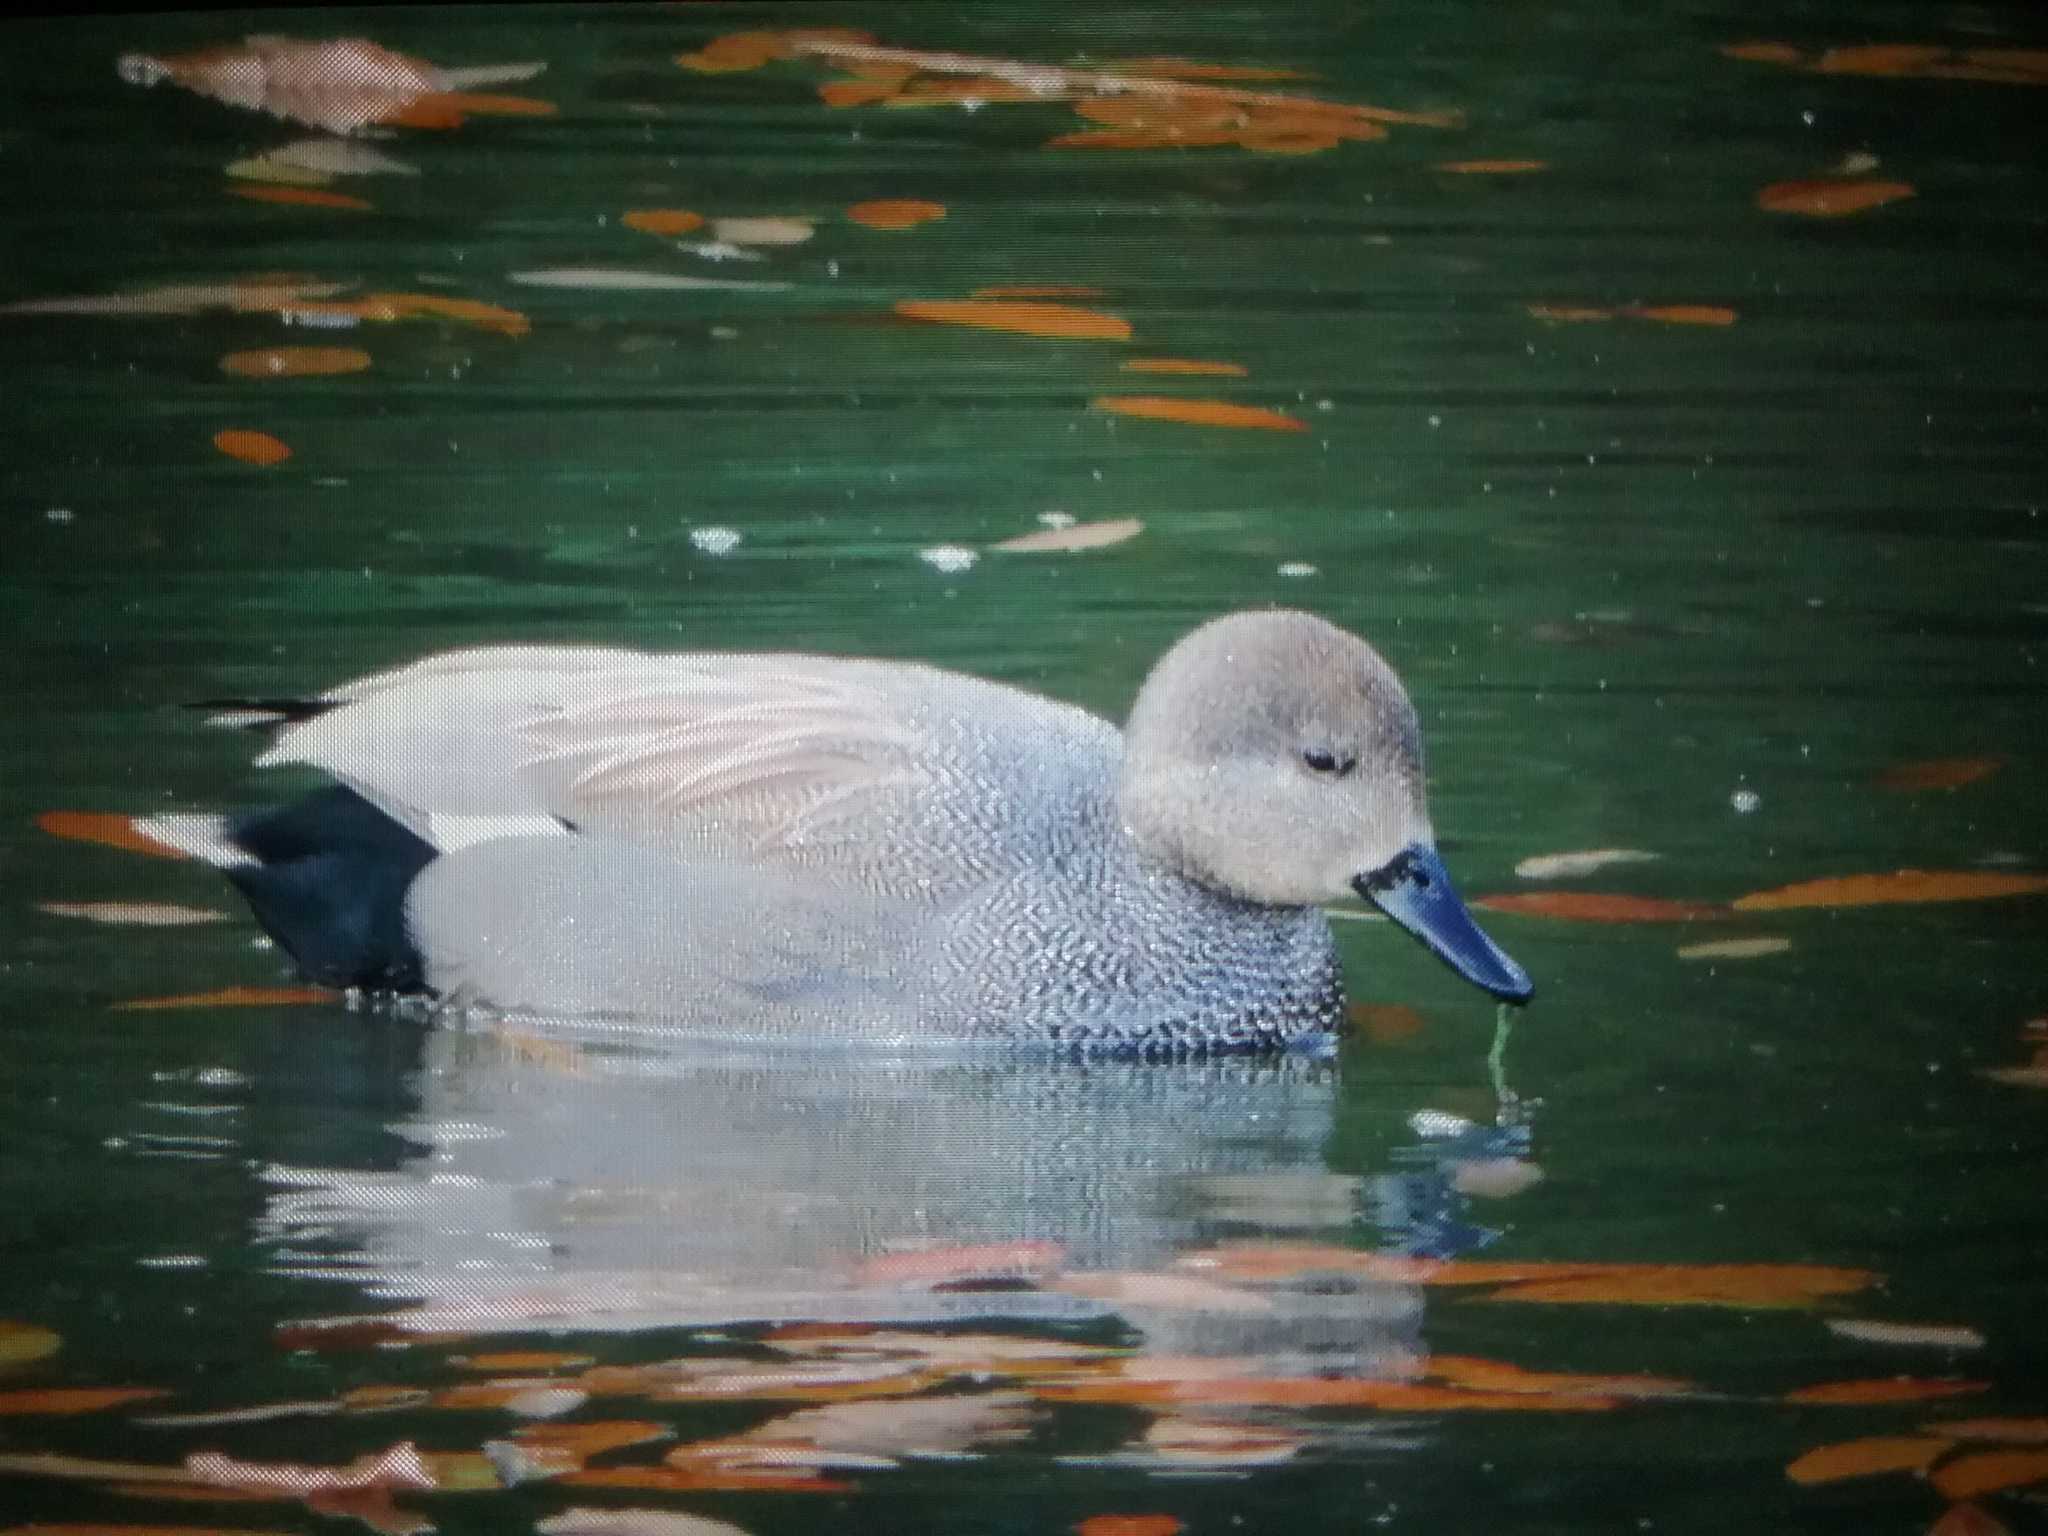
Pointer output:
1633, 572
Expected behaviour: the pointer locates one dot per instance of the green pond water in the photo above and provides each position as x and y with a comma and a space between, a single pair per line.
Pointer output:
1715, 586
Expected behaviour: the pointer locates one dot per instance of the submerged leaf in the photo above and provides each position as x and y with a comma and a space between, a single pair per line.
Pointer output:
1866, 1458
1938, 773
304, 197
62, 1401
1024, 317
2018, 1431
1183, 365
251, 447
1683, 314
1129, 1525
1904, 885
662, 221
1052, 541
1491, 167
1201, 413
1829, 199
23, 1342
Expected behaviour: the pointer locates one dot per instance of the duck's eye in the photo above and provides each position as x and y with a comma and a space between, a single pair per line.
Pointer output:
1323, 761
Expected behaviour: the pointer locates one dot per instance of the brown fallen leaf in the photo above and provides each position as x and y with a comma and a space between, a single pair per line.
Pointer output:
1938, 773
2032, 1431
593, 1438
1056, 541
295, 362
1696, 1285
1830, 198
1024, 317
1682, 314
1904, 885
1384, 1023
1568, 314
1601, 907
1967, 1520
1201, 413
1142, 138
63, 1401
1190, 69
1886, 1389
1188, 365
1867, 1458
110, 831
251, 447
895, 212
1491, 167
301, 197
662, 221
1989, 1472
1504, 1376
232, 997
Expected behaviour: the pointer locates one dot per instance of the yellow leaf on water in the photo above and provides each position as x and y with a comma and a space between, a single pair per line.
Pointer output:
1830, 198
69, 1400
1201, 413
258, 448
895, 212
23, 1342
1183, 365
232, 997
1990, 1472
1051, 541
295, 362
1866, 1458
1883, 1389
1938, 773
1023, 317
662, 221
1734, 949
1904, 885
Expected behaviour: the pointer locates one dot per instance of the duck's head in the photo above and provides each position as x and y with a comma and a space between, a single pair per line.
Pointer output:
1274, 757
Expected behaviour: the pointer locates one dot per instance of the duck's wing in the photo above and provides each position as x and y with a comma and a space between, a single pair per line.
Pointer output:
877, 771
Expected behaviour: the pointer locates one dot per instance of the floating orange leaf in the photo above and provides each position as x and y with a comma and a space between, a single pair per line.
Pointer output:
1866, 1458
1905, 885
1025, 318
1884, 1389
594, 1438
295, 362
1683, 314
1938, 773
1831, 198
1189, 69
662, 221
1201, 413
251, 447
1038, 291
855, 93
232, 997
1491, 167
303, 197
973, 91
1601, 907
895, 212
1142, 138
2019, 1431
1695, 1285
1129, 1525
1990, 1472
1503, 1376
107, 830
750, 50
519, 1360
1289, 141
69, 1400
1967, 1520
443, 110
1879, 59
404, 306
1762, 53
1183, 365
1163, 114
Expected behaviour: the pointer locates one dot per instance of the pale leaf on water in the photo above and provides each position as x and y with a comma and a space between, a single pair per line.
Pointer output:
626, 280
633, 1522
1051, 541
763, 231
339, 157
1734, 949
1907, 1335
1565, 866
133, 914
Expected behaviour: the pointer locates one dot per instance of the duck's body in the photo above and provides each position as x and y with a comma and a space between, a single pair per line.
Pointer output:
769, 844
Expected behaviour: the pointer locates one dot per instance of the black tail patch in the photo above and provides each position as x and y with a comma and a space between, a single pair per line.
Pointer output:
330, 887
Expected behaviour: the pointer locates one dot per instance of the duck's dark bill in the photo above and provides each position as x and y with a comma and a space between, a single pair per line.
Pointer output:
1415, 890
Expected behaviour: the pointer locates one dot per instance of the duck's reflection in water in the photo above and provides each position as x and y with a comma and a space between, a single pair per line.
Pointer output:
580, 1183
